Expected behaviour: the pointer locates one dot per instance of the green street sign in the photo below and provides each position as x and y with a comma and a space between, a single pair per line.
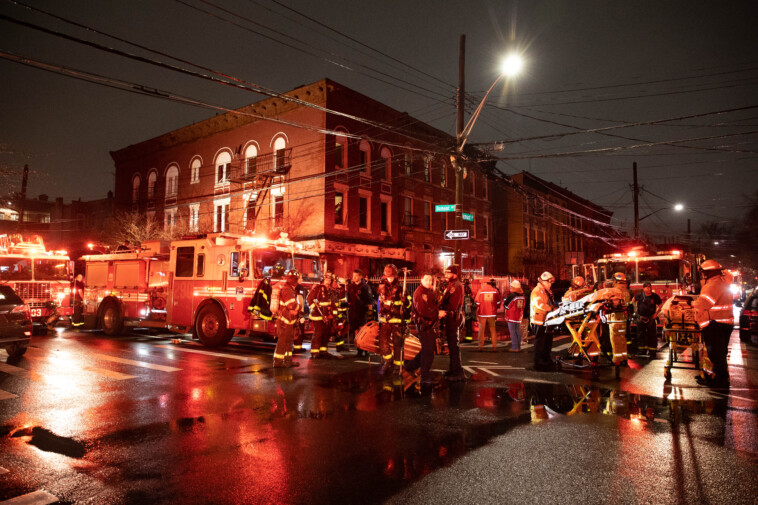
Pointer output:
444, 208
468, 217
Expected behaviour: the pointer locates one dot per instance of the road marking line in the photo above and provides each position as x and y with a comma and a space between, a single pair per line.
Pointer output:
14, 370
469, 369
35, 498
143, 364
485, 362
208, 353
3, 470
5, 395
99, 371
490, 371
556, 339
734, 396
505, 367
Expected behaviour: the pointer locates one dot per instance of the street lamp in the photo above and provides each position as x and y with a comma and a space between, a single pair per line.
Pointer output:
677, 207
510, 66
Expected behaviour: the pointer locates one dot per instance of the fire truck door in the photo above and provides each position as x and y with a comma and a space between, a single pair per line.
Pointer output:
182, 287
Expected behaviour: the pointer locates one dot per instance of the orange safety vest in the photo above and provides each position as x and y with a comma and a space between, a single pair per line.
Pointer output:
714, 303
539, 305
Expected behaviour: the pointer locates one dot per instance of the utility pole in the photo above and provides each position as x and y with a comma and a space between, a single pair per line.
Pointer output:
636, 196
24, 182
458, 147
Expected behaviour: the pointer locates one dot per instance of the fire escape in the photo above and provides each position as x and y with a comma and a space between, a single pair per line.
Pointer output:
259, 175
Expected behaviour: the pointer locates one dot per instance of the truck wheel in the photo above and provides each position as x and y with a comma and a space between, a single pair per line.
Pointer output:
210, 327
111, 320
16, 350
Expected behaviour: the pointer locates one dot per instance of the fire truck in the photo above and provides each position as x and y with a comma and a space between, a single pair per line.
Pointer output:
40, 277
200, 284
669, 272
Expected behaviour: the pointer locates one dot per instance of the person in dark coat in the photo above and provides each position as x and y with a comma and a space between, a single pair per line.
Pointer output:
359, 300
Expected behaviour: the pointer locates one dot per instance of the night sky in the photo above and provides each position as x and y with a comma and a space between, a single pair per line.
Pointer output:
689, 66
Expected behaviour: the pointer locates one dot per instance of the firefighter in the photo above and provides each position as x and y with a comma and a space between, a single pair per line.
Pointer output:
469, 312
302, 294
713, 312
452, 304
648, 304
541, 302
392, 315
359, 301
320, 301
487, 302
288, 315
77, 290
618, 321
426, 315
578, 290
339, 309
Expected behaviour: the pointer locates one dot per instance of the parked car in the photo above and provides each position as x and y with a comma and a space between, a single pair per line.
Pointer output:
15, 322
749, 318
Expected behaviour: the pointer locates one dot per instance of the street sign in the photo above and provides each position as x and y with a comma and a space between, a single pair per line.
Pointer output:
456, 234
468, 217
444, 208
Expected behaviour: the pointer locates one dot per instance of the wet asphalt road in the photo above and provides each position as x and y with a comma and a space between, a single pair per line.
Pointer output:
138, 419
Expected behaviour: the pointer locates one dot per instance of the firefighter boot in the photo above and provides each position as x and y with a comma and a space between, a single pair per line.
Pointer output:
279, 363
289, 362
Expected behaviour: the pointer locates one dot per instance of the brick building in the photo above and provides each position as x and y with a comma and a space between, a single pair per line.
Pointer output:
545, 227
360, 192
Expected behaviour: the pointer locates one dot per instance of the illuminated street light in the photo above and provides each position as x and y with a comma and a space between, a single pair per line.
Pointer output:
678, 207
511, 65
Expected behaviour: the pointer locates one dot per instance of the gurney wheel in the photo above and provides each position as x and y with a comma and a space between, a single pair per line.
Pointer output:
667, 373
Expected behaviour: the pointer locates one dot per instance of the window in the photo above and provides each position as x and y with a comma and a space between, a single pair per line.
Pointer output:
223, 167
195, 170
172, 181
363, 213
385, 214
427, 169
408, 164
250, 209
427, 216
407, 211
135, 189
278, 211
200, 265
443, 175
339, 208
365, 156
279, 153
340, 152
387, 162
221, 215
194, 217
185, 260
486, 227
251, 160
169, 221
152, 177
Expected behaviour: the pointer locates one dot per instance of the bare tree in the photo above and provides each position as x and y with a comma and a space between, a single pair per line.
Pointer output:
133, 227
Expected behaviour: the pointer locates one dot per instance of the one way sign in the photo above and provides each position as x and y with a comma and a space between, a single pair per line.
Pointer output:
456, 234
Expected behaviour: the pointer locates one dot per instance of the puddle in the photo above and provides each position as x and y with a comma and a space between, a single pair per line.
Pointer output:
48, 441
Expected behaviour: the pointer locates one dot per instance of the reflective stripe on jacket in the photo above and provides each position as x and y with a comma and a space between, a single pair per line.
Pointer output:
714, 303
487, 300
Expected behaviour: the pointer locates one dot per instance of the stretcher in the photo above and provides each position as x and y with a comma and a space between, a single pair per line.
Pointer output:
582, 319
682, 332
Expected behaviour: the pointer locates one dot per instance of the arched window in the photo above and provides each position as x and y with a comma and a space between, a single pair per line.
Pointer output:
340, 152
195, 170
279, 153
386, 155
365, 156
135, 188
152, 178
251, 160
172, 181
223, 167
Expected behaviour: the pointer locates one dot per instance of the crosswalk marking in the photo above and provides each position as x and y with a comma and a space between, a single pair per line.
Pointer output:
207, 353
18, 372
143, 364
111, 374
555, 339
35, 498
484, 362
5, 395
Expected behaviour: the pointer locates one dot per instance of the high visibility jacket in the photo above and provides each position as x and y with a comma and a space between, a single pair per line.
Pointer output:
487, 301
714, 302
260, 303
394, 304
514, 307
540, 304
320, 301
289, 307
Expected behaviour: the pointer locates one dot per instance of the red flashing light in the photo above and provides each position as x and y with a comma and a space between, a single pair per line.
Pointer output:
632, 254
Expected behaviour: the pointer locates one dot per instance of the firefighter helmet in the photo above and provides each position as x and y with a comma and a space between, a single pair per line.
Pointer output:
292, 273
547, 277
453, 269
577, 282
709, 265
390, 270
620, 277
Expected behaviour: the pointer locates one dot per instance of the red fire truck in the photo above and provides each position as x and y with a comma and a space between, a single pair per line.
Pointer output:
40, 277
669, 272
201, 284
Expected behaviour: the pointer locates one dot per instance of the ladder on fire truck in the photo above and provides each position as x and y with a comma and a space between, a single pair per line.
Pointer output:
258, 175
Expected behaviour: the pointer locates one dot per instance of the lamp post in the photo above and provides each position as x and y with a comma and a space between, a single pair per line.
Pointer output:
511, 66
